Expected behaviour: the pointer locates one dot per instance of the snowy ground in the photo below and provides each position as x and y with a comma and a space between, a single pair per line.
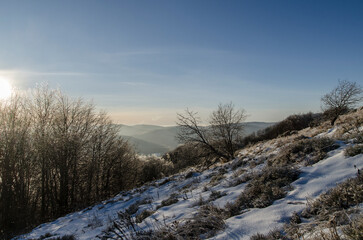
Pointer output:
313, 181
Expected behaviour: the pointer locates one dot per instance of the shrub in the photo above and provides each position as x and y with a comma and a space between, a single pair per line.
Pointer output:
295, 218
51, 237
258, 236
358, 138
132, 209
46, 235
238, 172
94, 222
215, 195
189, 175
287, 126
165, 181
242, 179
238, 163
124, 227
327, 230
205, 224
187, 155
351, 151
216, 179
232, 209
330, 210
66, 237
144, 214
200, 201
316, 148
272, 235
263, 189
154, 168
354, 230
173, 198
343, 196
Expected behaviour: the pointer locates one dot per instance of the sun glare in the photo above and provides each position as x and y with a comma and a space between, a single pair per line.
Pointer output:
5, 88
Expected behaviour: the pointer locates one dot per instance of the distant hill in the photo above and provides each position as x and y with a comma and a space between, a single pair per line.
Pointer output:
134, 130
165, 137
149, 139
145, 147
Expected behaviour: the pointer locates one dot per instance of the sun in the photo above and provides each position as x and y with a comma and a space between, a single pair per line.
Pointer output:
5, 88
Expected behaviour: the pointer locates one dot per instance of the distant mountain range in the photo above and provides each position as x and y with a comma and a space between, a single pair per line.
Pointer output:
149, 139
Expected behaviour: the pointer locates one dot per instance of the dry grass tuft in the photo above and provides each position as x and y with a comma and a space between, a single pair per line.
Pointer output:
352, 151
264, 188
343, 196
205, 224
333, 215
272, 235
173, 198
316, 149
144, 214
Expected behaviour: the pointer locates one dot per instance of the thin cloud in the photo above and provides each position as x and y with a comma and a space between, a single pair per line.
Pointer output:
135, 83
41, 73
168, 51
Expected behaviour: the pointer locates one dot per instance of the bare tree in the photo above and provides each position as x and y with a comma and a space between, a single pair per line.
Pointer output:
57, 154
345, 96
41, 110
15, 165
222, 135
227, 128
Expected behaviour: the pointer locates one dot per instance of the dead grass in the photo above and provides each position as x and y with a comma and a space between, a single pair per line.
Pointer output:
343, 196
327, 230
216, 179
263, 189
241, 179
133, 208
333, 215
349, 124
315, 148
144, 214
205, 224
173, 198
354, 150
272, 235
354, 230
125, 228
215, 195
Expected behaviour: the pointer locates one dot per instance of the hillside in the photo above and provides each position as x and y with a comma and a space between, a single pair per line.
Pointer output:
140, 129
149, 139
264, 188
146, 147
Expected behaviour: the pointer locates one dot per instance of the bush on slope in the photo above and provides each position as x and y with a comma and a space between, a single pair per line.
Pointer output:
264, 188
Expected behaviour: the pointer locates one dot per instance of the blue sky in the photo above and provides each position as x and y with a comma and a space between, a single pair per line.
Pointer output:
143, 61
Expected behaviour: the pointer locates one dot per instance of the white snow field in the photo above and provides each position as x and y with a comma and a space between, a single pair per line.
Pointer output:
313, 181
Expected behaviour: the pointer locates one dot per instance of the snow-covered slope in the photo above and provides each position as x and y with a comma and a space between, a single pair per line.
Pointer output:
313, 181
195, 187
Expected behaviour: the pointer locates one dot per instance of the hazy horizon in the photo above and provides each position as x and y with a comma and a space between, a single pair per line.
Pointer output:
145, 61
175, 125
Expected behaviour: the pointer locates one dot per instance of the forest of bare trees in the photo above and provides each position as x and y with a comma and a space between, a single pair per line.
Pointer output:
57, 154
